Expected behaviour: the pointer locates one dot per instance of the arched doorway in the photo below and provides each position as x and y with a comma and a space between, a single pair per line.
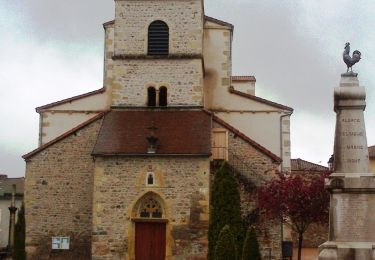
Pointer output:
150, 229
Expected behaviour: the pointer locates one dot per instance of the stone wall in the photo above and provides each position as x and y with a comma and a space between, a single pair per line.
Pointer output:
184, 18
182, 77
58, 195
314, 236
260, 168
181, 183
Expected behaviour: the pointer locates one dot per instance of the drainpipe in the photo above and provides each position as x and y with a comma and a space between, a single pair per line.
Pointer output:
40, 128
282, 170
281, 138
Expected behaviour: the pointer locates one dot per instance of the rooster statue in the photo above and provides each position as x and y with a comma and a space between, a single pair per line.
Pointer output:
350, 61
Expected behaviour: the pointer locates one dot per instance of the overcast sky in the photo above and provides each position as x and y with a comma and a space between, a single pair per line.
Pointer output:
53, 49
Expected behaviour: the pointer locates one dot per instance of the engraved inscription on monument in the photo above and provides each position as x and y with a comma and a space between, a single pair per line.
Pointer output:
353, 216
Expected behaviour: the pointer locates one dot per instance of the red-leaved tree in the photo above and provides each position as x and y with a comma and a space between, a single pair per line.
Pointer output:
299, 200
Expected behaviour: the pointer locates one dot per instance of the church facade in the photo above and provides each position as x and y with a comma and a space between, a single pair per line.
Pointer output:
124, 172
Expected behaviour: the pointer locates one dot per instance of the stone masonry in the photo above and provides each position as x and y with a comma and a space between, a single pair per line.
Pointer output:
181, 183
184, 18
263, 168
58, 193
131, 78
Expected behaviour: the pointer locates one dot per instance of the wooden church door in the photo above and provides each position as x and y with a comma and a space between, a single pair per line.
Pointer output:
150, 241
150, 230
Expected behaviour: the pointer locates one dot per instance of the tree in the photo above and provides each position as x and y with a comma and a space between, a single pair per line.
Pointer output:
298, 200
225, 248
251, 246
225, 209
19, 252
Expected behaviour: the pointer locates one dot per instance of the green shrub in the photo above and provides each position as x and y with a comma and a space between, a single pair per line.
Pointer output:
251, 246
225, 248
19, 252
225, 209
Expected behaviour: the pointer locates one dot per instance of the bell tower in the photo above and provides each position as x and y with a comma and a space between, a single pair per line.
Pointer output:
156, 46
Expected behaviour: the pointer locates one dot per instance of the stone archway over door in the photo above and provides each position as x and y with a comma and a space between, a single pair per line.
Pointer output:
150, 241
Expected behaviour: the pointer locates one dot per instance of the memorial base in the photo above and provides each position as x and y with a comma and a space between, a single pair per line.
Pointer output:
347, 251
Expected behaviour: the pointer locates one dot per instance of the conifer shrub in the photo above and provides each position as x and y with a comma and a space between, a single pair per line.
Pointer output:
225, 248
19, 252
251, 246
225, 209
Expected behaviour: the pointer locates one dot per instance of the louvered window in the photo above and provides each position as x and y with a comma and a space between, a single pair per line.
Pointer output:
158, 38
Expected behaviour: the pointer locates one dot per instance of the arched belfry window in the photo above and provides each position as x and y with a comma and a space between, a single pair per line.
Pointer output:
158, 38
150, 208
163, 94
151, 97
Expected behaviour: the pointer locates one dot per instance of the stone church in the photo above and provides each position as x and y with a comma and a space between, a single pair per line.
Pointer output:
124, 172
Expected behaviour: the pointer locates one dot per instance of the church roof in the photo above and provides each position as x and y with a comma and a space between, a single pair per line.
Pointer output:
68, 100
179, 132
261, 100
302, 165
63, 136
244, 78
247, 139
217, 21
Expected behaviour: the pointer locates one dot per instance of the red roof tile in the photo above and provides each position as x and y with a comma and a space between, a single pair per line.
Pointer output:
261, 100
108, 23
63, 136
244, 78
302, 165
68, 100
247, 139
178, 132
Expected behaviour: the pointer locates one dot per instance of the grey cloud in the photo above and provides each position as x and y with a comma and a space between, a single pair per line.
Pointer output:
68, 20
11, 164
294, 52
289, 61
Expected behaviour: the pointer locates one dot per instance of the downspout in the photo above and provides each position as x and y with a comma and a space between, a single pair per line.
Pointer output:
282, 170
281, 138
40, 128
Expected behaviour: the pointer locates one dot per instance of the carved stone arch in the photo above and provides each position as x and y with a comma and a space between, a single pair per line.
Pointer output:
152, 204
135, 208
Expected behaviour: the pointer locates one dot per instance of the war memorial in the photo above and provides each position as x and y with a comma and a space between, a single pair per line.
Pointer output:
351, 186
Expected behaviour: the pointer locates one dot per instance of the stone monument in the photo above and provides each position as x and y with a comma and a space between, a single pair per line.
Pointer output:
352, 186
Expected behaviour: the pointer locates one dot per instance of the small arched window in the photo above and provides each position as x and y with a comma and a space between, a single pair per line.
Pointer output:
150, 208
158, 38
151, 97
150, 179
163, 97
